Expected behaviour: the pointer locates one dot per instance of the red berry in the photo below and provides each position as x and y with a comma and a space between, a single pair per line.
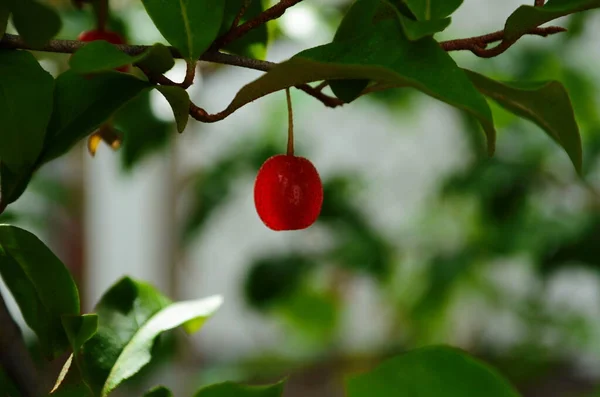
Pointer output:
288, 193
111, 37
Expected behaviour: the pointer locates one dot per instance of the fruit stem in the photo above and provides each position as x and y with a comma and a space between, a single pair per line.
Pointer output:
101, 14
290, 143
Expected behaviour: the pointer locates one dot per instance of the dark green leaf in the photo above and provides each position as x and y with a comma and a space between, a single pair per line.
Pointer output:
426, 10
7, 386
81, 104
99, 56
4, 14
159, 391
158, 60
13, 184
131, 316
180, 103
275, 279
41, 285
35, 22
528, 17
189, 25
383, 57
431, 372
413, 29
143, 133
547, 104
80, 329
254, 43
26, 96
229, 389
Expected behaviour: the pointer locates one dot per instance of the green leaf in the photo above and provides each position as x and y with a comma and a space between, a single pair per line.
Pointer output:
130, 317
159, 391
26, 96
100, 56
179, 100
41, 285
81, 104
4, 14
431, 372
528, 17
35, 22
426, 10
13, 184
383, 57
80, 329
228, 389
143, 132
254, 43
547, 104
136, 353
189, 25
361, 19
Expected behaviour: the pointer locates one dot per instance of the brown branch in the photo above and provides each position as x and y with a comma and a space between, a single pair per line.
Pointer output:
240, 15
14, 356
539, 3
477, 45
14, 42
269, 14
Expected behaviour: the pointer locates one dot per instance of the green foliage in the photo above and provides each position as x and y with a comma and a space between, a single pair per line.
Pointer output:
179, 100
432, 9
25, 86
101, 56
545, 103
131, 315
41, 285
79, 329
159, 391
528, 17
430, 372
81, 104
189, 25
143, 133
227, 389
36, 22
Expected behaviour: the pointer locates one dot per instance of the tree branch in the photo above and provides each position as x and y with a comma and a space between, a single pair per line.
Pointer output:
269, 14
14, 356
477, 45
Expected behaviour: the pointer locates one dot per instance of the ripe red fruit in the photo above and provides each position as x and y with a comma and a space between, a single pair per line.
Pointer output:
288, 193
111, 37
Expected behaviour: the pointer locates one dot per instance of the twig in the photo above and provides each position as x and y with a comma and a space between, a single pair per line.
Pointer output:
14, 356
477, 45
269, 14
240, 15
539, 3
10, 41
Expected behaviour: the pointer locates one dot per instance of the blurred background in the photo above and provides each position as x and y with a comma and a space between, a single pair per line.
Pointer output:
422, 240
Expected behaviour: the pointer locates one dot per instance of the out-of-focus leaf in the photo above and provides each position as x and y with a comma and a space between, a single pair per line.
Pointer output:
545, 103
527, 17
274, 279
189, 25
313, 313
4, 14
180, 103
159, 391
24, 87
431, 372
81, 104
143, 132
41, 285
229, 389
99, 56
36, 22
